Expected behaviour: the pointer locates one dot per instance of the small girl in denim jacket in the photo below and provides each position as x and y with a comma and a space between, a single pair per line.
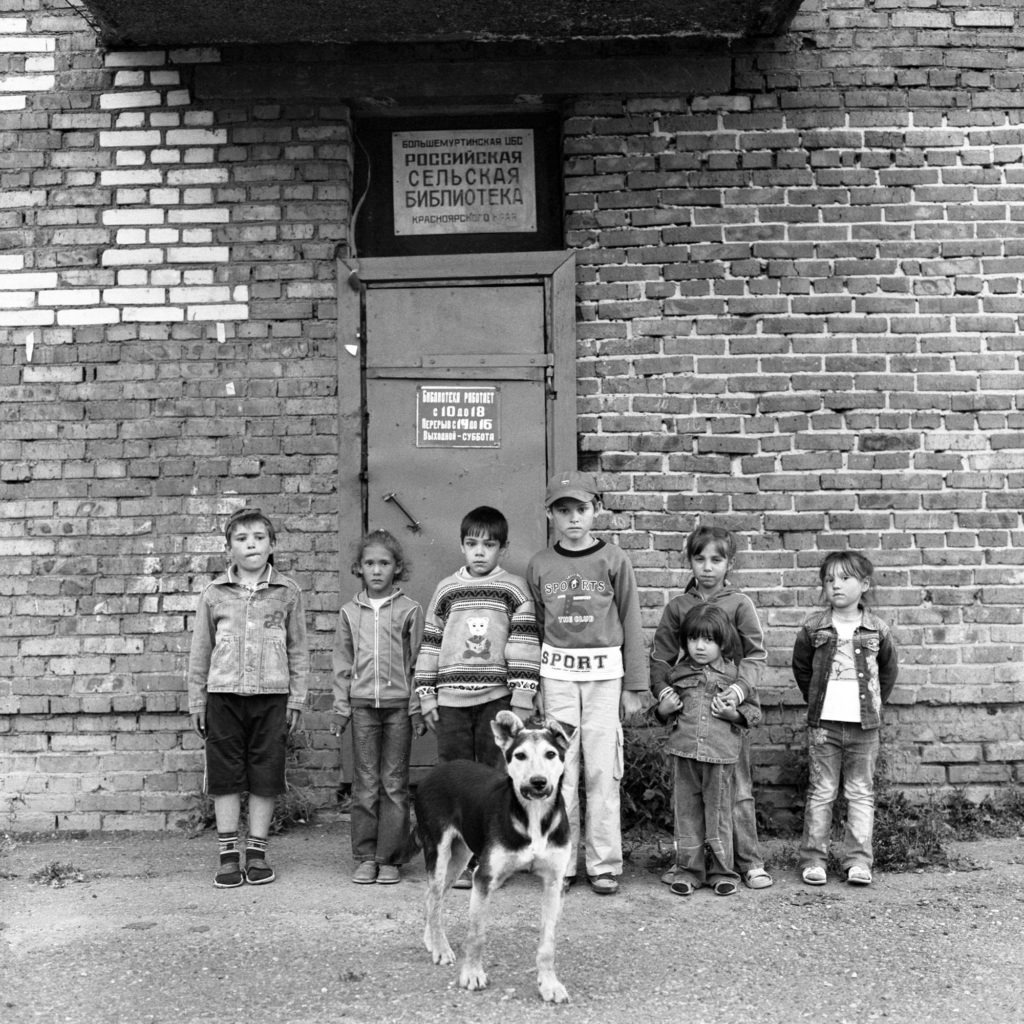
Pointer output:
845, 663
697, 695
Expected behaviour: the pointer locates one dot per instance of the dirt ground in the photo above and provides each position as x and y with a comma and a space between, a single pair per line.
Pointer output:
144, 937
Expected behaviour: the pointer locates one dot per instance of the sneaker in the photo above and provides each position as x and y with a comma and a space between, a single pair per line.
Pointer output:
388, 874
366, 873
464, 881
229, 875
258, 872
758, 878
859, 875
814, 875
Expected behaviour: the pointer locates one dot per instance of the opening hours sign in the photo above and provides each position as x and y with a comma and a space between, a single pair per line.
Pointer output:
457, 416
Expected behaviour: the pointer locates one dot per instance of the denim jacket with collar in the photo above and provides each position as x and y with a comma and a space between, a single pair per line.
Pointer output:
249, 641
695, 732
874, 654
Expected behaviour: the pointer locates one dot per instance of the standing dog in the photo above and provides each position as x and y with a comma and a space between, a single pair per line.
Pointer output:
511, 821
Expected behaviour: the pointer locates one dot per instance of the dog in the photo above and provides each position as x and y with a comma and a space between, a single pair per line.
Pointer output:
510, 821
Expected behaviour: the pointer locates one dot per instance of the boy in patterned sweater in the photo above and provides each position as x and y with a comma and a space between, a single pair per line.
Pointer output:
480, 652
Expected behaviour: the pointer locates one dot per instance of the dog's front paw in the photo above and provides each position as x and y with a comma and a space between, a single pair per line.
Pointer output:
473, 977
552, 990
443, 955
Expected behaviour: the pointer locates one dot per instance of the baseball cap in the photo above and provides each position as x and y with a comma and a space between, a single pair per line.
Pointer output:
581, 486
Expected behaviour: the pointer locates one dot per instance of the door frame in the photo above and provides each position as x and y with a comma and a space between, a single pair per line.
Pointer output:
555, 270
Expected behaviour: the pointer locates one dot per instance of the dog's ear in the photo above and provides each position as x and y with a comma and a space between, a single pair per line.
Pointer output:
505, 726
561, 733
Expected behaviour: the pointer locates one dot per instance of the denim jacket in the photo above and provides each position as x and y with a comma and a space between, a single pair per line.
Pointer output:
874, 653
696, 733
249, 642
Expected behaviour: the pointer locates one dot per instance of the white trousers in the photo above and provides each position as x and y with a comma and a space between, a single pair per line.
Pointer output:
592, 708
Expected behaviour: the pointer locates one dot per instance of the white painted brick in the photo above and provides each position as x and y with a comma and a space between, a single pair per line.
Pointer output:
127, 140
199, 215
135, 296
199, 254
17, 300
197, 236
119, 101
164, 119
39, 65
206, 313
132, 276
165, 196
135, 58
197, 295
166, 156
27, 44
132, 257
167, 276
178, 98
152, 314
130, 236
130, 120
169, 77
13, 25
26, 318
130, 178
130, 158
164, 236
70, 297
13, 102
198, 196
197, 137
25, 83
134, 79
11, 261
208, 175
198, 275
240, 293
17, 198
130, 196
86, 317
30, 279
199, 156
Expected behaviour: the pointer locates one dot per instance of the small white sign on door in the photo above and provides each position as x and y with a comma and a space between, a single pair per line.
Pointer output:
457, 416
463, 181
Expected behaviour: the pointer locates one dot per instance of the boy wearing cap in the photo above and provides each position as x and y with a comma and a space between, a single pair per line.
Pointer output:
593, 664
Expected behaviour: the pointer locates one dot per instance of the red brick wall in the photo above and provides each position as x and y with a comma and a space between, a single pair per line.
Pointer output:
799, 310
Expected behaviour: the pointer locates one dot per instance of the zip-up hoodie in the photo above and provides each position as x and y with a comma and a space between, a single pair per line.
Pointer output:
374, 653
668, 649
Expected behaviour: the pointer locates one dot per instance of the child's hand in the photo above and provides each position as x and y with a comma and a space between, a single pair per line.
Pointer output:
725, 711
418, 725
339, 723
294, 717
631, 703
669, 703
727, 698
199, 723
430, 719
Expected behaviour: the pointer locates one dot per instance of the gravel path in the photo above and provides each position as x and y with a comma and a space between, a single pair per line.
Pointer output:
146, 938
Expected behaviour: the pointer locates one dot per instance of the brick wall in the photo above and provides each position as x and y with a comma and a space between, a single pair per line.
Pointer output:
799, 314
800, 317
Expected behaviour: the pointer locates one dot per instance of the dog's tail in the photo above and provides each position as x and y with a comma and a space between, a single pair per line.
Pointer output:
412, 846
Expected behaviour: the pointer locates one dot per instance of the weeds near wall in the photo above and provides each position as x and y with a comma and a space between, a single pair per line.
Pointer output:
57, 875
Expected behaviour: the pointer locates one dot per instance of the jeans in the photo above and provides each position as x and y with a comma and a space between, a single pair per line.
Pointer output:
592, 708
381, 738
744, 815
834, 749
702, 796
467, 733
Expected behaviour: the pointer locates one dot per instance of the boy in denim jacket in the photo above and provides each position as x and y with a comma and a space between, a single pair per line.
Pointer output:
247, 683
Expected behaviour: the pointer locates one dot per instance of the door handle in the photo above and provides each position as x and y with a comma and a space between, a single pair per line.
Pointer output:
414, 523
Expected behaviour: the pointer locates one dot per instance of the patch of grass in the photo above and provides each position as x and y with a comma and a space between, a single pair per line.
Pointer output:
57, 875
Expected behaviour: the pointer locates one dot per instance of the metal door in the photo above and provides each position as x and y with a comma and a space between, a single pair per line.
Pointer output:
464, 368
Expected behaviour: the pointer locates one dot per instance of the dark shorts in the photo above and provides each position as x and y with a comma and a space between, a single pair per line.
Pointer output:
246, 742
